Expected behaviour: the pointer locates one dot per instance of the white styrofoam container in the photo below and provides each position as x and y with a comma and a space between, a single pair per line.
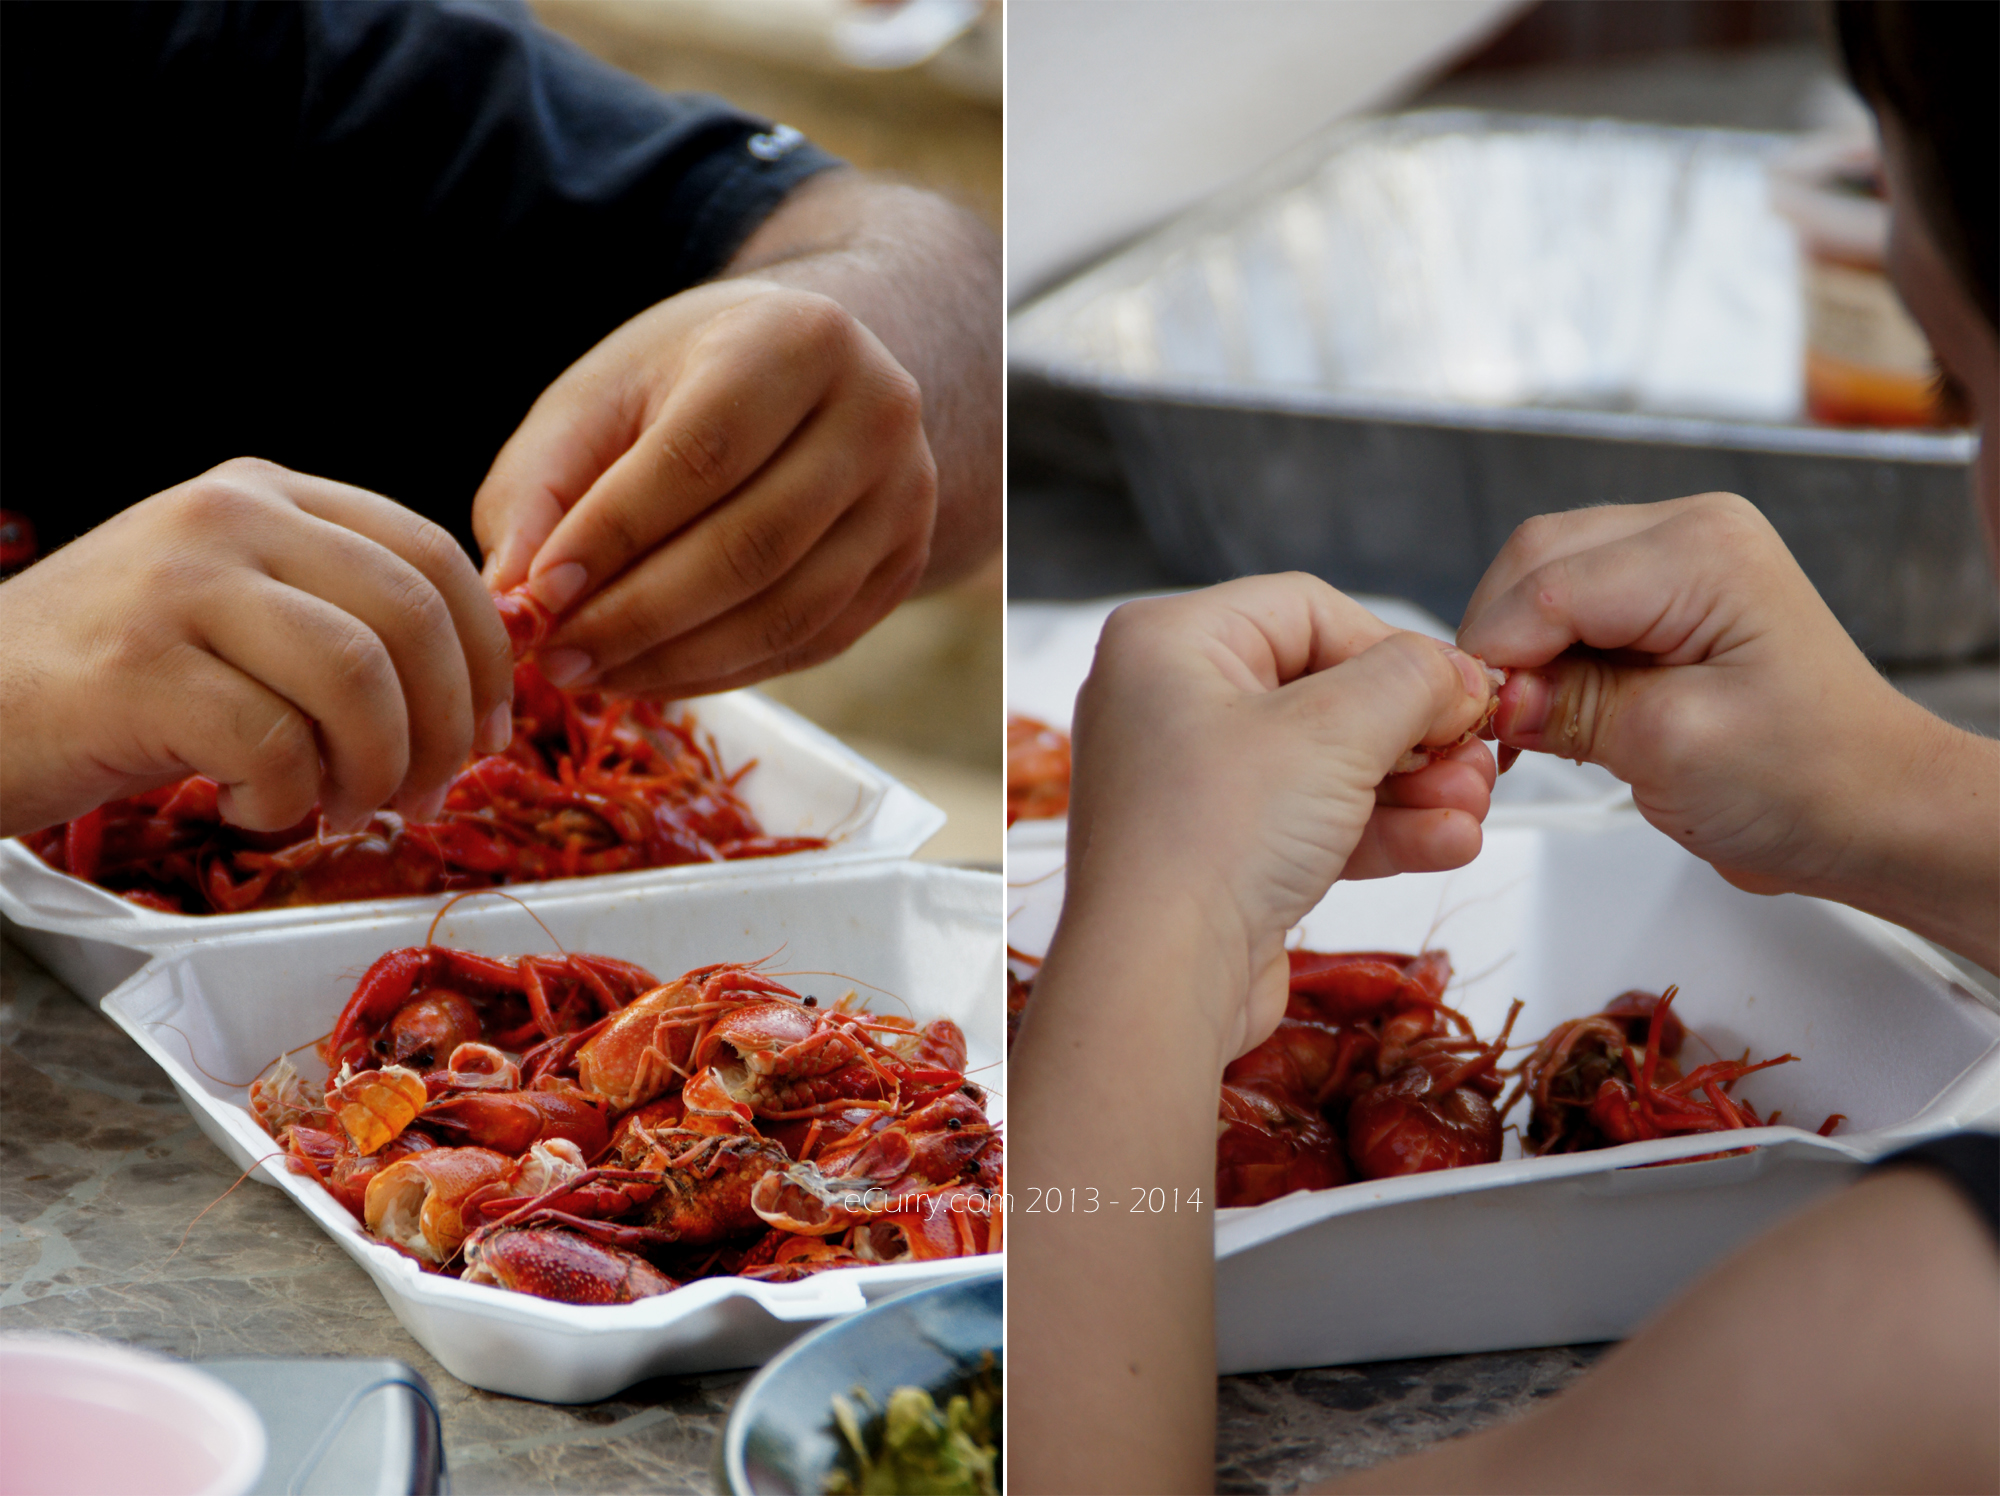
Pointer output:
911, 937
1564, 912
806, 783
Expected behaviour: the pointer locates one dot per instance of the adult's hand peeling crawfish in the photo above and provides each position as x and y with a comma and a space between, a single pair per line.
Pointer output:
296, 640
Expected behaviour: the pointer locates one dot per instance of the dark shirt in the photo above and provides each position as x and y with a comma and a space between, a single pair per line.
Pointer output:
1969, 1160
356, 238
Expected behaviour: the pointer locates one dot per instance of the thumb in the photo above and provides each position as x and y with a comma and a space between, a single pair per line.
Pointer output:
1401, 691
1570, 707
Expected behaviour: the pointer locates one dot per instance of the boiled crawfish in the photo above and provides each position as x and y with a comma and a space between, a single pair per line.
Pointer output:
1615, 1077
568, 1126
1369, 1073
1037, 770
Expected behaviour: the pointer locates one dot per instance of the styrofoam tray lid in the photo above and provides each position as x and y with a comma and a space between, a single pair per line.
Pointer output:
806, 783
1567, 916
1050, 647
912, 938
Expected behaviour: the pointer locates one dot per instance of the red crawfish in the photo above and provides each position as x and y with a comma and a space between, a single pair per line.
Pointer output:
416, 1005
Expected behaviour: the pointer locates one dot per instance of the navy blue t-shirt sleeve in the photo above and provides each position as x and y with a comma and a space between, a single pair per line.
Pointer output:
353, 236
1969, 1160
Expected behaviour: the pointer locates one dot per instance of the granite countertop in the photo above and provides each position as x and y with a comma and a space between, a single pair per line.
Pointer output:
103, 1176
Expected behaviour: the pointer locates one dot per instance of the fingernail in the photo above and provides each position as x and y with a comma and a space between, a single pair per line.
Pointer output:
564, 667
345, 823
497, 731
1524, 705
429, 808
556, 588
1469, 670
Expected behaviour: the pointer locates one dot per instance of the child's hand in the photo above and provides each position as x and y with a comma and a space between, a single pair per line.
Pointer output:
295, 639
1231, 750
1750, 728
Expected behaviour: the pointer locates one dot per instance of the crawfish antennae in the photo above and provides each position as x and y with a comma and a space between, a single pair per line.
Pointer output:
841, 976
1443, 915
1480, 976
1055, 872
839, 832
430, 936
162, 1024
255, 1164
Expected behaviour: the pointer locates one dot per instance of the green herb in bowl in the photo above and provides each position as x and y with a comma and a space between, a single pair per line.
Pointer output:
919, 1449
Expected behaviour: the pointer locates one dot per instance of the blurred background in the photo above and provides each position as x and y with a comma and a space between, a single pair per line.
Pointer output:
1358, 286
913, 91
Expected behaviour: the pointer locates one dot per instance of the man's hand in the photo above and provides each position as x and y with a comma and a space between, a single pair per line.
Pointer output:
297, 640
1232, 752
1680, 646
740, 481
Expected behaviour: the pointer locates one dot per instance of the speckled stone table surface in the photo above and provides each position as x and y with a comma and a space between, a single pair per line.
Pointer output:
1290, 1430
102, 1174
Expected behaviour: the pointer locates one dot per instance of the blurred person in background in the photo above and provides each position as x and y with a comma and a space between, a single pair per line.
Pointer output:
1856, 1347
718, 400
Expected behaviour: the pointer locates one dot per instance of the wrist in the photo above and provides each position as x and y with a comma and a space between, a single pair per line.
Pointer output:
1146, 965
1922, 842
35, 789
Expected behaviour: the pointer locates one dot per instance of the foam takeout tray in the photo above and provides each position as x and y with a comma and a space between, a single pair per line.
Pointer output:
1550, 1251
913, 938
805, 783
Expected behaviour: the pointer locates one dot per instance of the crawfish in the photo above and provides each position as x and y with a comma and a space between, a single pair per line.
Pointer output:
418, 1004
781, 1257
514, 1121
933, 1147
422, 1203
720, 1084
650, 1044
1593, 1082
1351, 1020
1434, 1112
956, 1222
553, 1262
785, 1061
706, 1181
1037, 770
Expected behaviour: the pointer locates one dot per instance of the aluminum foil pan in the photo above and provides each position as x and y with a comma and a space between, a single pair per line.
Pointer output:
1378, 356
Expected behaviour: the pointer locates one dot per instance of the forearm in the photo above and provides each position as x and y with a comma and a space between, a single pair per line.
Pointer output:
924, 277
1851, 1349
1926, 854
31, 764
1112, 1342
